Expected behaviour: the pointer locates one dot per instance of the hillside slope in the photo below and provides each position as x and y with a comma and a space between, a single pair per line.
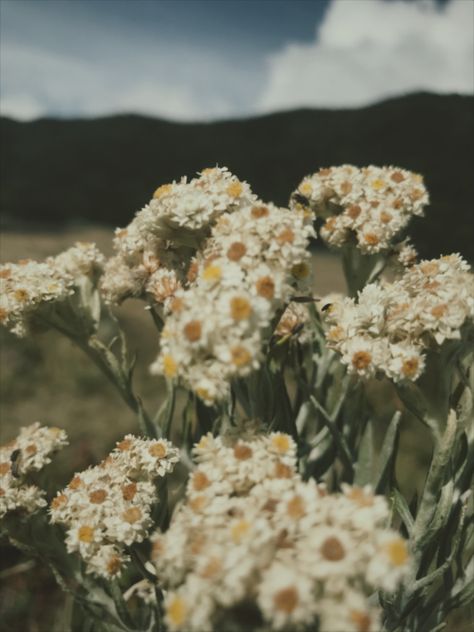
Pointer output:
62, 171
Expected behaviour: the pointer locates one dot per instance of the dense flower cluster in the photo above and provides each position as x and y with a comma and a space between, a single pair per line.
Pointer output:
241, 281
29, 452
30, 291
108, 507
371, 205
390, 325
252, 531
154, 250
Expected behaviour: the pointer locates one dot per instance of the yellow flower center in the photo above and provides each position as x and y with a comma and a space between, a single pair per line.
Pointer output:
212, 273
377, 184
240, 308
176, 611
234, 189
240, 356
162, 191
170, 367
239, 530
305, 188
296, 508
397, 552
281, 442
157, 450
86, 534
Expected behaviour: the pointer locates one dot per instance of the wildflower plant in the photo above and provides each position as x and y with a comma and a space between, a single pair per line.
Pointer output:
285, 511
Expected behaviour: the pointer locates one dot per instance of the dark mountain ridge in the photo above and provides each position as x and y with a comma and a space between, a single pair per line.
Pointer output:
55, 172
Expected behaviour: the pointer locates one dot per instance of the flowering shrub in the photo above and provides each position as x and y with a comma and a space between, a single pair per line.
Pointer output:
280, 509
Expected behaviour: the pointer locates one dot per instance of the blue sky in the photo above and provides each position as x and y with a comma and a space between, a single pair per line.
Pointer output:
202, 60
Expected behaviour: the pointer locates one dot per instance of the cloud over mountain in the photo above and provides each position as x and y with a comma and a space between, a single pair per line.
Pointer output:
76, 64
366, 51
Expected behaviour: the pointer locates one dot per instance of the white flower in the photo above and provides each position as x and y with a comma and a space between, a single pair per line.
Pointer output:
286, 597
372, 204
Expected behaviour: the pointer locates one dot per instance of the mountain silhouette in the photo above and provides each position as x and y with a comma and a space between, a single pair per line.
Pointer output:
58, 172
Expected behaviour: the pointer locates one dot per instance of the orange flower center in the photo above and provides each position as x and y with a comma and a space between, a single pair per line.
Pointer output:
286, 600
200, 481
75, 483
192, 330
286, 236
242, 452
397, 176
361, 620
236, 251
132, 515
258, 212
129, 491
361, 360
332, 550
410, 367
98, 496
266, 287
113, 565
371, 239
354, 211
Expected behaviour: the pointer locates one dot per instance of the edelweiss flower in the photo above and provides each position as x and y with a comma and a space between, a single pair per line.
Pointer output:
372, 204
35, 294
29, 452
251, 531
108, 506
389, 327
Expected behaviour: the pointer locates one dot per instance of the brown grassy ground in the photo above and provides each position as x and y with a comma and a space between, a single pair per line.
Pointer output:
48, 379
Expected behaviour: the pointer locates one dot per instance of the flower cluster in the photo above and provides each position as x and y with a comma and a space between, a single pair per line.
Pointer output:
390, 325
154, 250
371, 205
29, 452
241, 281
108, 507
30, 291
252, 531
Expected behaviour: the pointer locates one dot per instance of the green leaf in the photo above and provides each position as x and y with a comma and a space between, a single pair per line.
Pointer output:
365, 458
402, 509
339, 440
388, 455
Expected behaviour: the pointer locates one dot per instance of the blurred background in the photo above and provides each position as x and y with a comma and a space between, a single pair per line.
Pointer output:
104, 100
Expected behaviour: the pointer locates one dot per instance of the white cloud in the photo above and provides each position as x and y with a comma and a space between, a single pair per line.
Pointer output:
78, 68
367, 50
